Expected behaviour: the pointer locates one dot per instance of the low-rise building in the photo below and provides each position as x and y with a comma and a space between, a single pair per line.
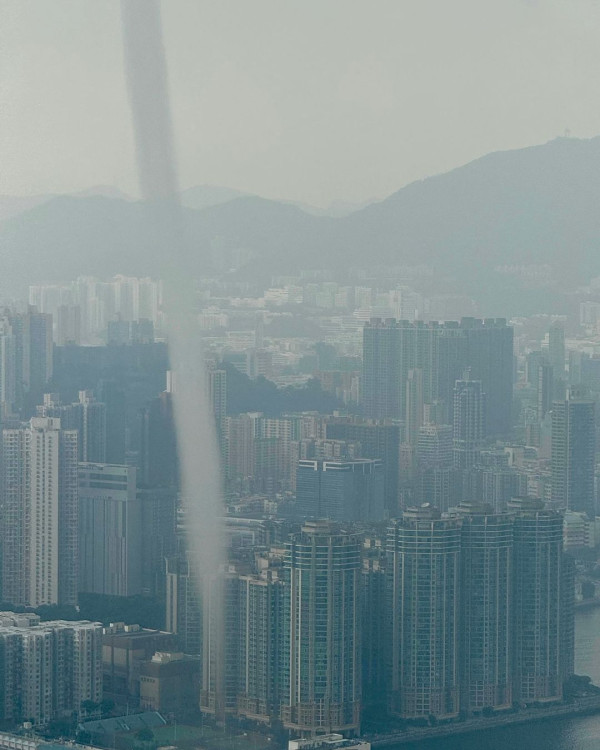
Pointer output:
170, 682
124, 648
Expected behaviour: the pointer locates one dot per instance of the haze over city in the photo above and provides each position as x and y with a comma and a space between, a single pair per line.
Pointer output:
311, 101
299, 375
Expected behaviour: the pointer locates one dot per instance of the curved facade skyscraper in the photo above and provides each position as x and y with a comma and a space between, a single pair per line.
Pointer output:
486, 611
424, 612
321, 663
542, 585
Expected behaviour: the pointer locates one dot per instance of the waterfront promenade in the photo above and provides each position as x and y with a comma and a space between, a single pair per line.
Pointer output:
579, 707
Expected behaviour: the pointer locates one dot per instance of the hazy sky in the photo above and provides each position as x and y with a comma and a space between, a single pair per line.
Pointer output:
311, 100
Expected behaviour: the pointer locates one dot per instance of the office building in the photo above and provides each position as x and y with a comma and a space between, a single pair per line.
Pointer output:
111, 394
158, 509
424, 614
320, 668
170, 683
340, 490
39, 524
183, 604
574, 453
110, 530
124, 649
158, 461
377, 439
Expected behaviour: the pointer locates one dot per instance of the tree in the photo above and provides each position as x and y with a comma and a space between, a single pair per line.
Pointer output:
89, 707
106, 706
145, 735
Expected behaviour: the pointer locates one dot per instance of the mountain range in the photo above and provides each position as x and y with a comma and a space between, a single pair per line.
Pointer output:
515, 230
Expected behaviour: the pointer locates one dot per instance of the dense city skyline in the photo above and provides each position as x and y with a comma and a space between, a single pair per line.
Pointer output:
273, 475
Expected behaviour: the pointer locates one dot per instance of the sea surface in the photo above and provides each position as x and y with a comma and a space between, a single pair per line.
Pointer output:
579, 733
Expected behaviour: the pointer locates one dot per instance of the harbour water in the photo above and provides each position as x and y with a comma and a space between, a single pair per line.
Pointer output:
579, 733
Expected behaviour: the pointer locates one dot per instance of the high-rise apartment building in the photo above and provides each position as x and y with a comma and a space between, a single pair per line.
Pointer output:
260, 598
39, 524
542, 602
242, 632
93, 428
545, 389
434, 472
93, 304
320, 666
87, 416
110, 530
217, 396
68, 325
424, 614
391, 348
240, 433
8, 370
469, 416
374, 631
461, 613
556, 350
258, 450
486, 639
36, 331
221, 643
26, 358
414, 406
49, 668
384, 369
490, 357
574, 453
